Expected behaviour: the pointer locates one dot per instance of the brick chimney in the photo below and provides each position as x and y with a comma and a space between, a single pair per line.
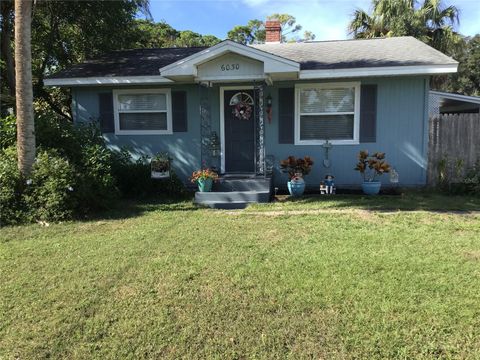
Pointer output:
273, 31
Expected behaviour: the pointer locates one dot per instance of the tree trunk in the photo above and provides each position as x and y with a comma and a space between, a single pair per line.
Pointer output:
24, 89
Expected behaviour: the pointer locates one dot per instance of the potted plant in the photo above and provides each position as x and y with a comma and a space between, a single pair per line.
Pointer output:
371, 167
296, 169
204, 178
160, 166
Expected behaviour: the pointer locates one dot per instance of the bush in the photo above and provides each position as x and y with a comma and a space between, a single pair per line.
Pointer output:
455, 179
472, 179
50, 191
54, 132
11, 205
8, 131
134, 180
75, 173
97, 190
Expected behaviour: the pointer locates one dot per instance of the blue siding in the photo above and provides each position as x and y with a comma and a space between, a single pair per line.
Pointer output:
402, 132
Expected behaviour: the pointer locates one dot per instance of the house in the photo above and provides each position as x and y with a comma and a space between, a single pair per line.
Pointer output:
451, 103
242, 108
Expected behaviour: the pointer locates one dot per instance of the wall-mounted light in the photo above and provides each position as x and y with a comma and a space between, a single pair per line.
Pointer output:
269, 108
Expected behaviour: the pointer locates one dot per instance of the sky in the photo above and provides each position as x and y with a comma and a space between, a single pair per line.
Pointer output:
327, 19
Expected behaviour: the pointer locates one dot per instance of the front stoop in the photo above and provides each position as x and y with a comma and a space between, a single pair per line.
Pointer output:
232, 192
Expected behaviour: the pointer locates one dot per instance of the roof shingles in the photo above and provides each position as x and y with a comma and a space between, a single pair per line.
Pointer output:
322, 55
395, 51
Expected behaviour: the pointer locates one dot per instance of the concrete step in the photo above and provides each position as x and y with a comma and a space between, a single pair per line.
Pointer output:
232, 197
238, 184
226, 205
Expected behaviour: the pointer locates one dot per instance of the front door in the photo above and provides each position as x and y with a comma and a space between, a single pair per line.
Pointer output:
239, 116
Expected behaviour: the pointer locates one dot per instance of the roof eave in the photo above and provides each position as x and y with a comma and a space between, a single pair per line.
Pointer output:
379, 71
459, 97
107, 80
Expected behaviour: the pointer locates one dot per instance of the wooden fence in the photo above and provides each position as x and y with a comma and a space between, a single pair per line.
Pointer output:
454, 139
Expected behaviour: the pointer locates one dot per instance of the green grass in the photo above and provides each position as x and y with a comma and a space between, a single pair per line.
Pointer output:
173, 281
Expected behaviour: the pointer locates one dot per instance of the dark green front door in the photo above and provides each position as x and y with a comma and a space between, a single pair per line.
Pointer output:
239, 131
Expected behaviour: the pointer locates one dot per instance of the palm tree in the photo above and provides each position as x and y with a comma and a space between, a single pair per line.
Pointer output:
365, 26
430, 21
23, 86
439, 25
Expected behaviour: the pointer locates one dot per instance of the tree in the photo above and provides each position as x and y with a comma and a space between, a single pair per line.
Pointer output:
23, 85
242, 34
63, 34
429, 21
467, 80
157, 35
254, 31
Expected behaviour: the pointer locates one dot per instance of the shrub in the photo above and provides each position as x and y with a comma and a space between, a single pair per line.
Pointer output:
472, 179
8, 131
75, 173
54, 132
50, 191
371, 166
456, 179
11, 206
293, 166
133, 177
97, 188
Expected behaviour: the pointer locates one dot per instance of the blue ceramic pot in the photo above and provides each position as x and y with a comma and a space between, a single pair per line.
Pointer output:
371, 187
296, 188
204, 185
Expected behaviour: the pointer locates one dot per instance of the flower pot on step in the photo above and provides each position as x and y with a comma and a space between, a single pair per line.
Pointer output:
205, 185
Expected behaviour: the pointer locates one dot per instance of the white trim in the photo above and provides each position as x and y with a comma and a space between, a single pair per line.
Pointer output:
378, 71
356, 113
107, 80
465, 98
168, 111
222, 121
237, 78
188, 66
304, 75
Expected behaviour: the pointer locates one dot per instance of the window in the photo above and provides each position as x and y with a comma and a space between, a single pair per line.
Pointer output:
327, 112
142, 112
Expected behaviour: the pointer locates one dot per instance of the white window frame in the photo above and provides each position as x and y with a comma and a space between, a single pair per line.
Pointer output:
168, 111
356, 113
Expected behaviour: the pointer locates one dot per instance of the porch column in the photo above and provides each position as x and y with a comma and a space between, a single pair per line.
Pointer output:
260, 131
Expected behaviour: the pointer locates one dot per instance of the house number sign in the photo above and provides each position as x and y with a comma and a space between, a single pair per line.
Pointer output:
230, 67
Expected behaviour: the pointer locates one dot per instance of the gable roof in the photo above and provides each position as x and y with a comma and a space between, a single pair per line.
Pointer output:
323, 59
188, 66
344, 54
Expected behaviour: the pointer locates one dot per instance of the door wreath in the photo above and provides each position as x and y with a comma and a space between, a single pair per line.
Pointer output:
242, 111
242, 105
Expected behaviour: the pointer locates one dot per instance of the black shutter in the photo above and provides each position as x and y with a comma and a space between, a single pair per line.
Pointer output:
179, 111
286, 115
105, 111
368, 114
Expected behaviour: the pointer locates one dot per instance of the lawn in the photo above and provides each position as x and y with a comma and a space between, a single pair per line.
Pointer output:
339, 277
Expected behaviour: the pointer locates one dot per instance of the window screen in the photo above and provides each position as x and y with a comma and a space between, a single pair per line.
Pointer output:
142, 111
327, 113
